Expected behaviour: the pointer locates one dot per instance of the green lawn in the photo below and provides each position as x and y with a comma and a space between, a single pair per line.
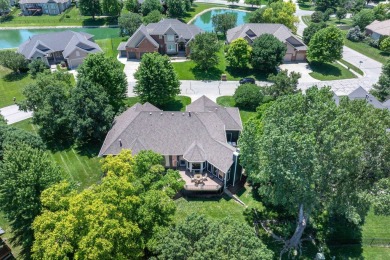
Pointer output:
228, 101
351, 66
367, 50
329, 71
179, 104
11, 85
332, 21
70, 17
306, 5
79, 165
197, 8
110, 45
188, 70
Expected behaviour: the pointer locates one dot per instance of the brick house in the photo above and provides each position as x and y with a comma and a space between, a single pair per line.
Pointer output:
169, 36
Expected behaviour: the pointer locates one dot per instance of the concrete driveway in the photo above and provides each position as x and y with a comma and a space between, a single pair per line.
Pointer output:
301, 67
131, 67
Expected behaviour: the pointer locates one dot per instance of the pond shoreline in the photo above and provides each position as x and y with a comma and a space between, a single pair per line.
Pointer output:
57, 27
214, 8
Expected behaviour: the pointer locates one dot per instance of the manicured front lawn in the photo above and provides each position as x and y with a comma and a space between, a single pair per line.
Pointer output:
179, 104
351, 66
188, 70
367, 50
11, 85
110, 45
228, 101
79, 165
70, 17
330, 71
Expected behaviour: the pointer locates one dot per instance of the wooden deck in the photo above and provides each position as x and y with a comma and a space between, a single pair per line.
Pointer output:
211, 184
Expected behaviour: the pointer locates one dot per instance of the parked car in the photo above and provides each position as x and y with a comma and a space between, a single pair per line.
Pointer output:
247, 80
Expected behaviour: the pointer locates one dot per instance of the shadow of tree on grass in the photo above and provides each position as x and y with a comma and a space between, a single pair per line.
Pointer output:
326, 69
11, 77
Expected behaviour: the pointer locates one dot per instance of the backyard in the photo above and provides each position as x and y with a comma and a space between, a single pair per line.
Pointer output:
228, 101
11, 85
329, 71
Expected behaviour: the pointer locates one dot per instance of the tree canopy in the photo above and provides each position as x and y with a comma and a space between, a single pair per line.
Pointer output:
267, 52
326, 45
199, 238
381, 89
24, 173
248, 96
129, 23
204, 50
223, 22
310, 30
283, 84
157, 80
150, 5
13, 60
239, 53
177, 8
318, 148
112, 7
107, 72
153, 17
90, 7
111, 220
363, 18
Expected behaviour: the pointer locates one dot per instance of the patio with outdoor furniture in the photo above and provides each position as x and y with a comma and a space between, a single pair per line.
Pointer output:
199, 181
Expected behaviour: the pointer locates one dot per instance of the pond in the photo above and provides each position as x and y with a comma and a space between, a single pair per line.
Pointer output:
13, 38
204, 21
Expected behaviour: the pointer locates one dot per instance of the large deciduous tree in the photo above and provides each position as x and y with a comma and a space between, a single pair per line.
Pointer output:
204, 50
283, 84
111, 7
199, 238
150, 5
325, 4
176, 8
326, 45
153, 17
157, 80
309, 155
129, 23
248, 96
48, 98
267, 52
309, 31
363, 18
107, 72
239, 53
91, 119
381, 89
111, 220
223, 22
24, 173
277, 12
4, 6
90, 7
13, 60
253, 2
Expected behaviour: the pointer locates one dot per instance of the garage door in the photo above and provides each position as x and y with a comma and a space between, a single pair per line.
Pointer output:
301, 56
74, 63
131, 55
123, 54
287, 57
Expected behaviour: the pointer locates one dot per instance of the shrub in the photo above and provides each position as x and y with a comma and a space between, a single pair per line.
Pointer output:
67, 16
248, 96
372, 42
35, 67
354, 34
327, 14
317, 17
385, 44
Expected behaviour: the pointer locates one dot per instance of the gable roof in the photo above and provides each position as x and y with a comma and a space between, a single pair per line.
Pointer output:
198, 136
230, 116
186, 31
380, 27
66, 41
250, 31
138, 36
361, 93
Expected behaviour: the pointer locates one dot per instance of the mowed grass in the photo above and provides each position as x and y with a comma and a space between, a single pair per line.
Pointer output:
330, 71
69, 17
351, 66
228, 101
367, 50
306, 5
110, 45
188, 70
81, 166
11, 85
197, 8
179, 104
4, 224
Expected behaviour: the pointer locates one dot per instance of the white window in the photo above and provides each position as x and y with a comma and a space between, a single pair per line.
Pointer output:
77, 54
171, 47
170, 37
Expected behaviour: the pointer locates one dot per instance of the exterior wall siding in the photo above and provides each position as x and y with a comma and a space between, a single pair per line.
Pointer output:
47, 8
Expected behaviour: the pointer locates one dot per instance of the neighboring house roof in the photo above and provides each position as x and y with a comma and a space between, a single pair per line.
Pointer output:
184, 31
380, 27
362, 94
251, 31
42, 1
386, 104
198, 136
122, 46
229, 115
66, 41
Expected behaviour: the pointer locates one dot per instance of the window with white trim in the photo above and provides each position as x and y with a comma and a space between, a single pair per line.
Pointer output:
171, 47
170, 37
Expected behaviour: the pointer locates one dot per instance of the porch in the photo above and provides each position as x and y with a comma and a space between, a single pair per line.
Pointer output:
208, 181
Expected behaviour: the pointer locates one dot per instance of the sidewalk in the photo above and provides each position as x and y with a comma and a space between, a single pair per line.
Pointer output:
12, 114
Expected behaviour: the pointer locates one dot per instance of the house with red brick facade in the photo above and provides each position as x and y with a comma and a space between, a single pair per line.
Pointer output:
169, 36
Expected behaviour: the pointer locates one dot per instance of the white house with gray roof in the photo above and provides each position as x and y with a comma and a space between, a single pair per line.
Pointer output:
169, 36
37, 7
53, 48
201, 140
296, 49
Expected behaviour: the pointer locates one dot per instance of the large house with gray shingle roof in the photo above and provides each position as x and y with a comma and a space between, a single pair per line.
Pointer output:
37, 7
296, 49
202, 139
53, 48
169, 36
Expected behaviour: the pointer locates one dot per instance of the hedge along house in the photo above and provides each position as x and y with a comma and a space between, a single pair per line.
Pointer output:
195, 141
296, 49
54, 48
38, 7
169, 36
